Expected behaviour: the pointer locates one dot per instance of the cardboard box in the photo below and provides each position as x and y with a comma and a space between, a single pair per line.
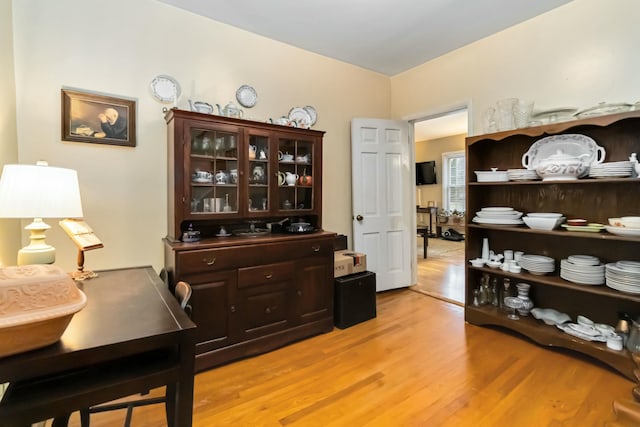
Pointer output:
349, 262
342, 265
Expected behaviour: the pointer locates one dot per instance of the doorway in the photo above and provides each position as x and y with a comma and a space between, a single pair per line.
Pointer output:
441, 273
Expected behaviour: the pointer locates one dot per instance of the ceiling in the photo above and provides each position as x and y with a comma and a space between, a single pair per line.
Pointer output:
386, 36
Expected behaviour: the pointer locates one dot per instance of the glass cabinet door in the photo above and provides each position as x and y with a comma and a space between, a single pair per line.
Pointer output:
213, 168
259, 174
295, 174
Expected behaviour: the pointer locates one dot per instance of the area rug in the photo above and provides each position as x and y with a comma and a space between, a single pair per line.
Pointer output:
441, 247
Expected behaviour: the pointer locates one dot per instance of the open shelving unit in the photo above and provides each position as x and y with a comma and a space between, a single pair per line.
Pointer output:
593, 199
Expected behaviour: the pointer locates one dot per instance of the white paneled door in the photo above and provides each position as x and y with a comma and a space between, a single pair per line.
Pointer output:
382, 196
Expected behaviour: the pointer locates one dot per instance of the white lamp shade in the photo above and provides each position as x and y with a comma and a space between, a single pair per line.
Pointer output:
38, 191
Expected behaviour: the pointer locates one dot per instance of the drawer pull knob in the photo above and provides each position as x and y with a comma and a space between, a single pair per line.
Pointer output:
299, 292
267, 310
232, 308
268, 276
316, 248
209, 261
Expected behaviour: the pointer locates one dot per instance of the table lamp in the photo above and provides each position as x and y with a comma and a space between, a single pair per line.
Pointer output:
39, 191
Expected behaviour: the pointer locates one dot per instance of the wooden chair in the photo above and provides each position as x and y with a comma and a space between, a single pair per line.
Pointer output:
182, 293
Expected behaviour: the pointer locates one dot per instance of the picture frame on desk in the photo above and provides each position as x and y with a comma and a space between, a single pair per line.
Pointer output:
97, 118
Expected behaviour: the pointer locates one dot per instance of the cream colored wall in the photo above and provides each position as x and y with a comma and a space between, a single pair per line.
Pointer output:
9, 228
432, 150
117, 48
577, 55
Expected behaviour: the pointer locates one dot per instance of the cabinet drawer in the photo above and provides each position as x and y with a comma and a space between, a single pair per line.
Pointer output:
311, 248
265, 274
205, 260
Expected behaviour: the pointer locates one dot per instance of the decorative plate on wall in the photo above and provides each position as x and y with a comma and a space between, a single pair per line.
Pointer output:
246, 96
165, 88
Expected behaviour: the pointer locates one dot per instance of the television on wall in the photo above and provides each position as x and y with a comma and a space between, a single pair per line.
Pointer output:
426, 173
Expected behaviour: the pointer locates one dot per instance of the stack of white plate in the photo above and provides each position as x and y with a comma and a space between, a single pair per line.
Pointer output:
522, 174
611, 170
624, 276
583, 269
537, 264
498, 216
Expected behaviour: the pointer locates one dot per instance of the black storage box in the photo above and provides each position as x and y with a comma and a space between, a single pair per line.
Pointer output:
355, 299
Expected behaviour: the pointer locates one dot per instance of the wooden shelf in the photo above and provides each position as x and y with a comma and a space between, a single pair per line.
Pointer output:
603, 235
551, 336
582, 181
557, 281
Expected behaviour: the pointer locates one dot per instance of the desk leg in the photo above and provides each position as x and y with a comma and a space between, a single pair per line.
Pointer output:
182, 400
425, 243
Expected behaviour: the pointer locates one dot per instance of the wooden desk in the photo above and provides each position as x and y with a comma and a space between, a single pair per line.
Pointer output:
131, 335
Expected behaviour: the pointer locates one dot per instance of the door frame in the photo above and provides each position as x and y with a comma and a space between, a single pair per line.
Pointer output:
413, 119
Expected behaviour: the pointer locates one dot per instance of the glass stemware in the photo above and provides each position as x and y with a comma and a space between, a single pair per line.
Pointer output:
513, 303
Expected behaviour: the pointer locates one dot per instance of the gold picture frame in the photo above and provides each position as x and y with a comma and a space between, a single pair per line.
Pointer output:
98, 119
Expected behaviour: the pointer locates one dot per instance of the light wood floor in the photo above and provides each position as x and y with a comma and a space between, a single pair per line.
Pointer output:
416, 364
441, 274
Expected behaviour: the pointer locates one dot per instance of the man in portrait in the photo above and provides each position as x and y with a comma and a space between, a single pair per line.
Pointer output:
113, 124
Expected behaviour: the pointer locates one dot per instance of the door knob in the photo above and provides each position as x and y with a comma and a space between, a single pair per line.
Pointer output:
359, 218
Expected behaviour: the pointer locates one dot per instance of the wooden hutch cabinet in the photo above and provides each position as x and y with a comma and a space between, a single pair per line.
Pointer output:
253, 290
593, 199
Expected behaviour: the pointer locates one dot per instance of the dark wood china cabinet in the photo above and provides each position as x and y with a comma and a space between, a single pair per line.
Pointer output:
593, 199
254, 289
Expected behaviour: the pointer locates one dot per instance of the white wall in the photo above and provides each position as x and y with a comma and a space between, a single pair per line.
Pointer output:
576, 55
117, 48
9, 228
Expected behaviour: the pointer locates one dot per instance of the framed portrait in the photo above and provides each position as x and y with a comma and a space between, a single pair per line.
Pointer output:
98, 119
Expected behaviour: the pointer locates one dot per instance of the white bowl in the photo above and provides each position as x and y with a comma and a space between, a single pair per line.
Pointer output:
630, 221
542, 223
544, 214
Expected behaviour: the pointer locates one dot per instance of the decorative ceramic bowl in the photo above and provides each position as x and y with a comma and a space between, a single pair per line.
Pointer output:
561, 166
630, 221
616, 222
37, 303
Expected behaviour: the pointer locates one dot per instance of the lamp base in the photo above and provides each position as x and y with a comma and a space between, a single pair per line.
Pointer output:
38, 251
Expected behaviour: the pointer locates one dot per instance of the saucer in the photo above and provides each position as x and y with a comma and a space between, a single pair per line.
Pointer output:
224, 235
